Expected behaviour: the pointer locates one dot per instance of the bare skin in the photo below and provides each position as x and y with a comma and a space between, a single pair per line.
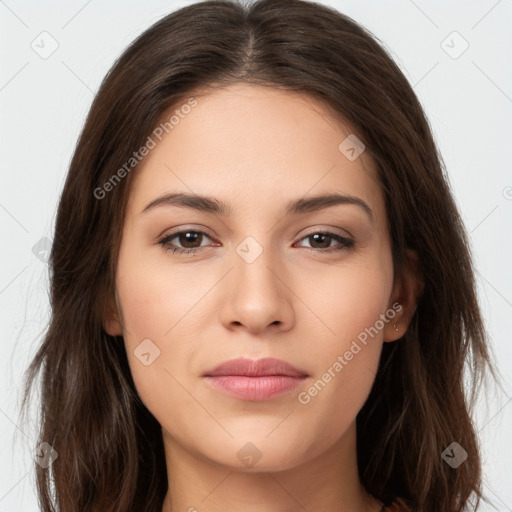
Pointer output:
256, 149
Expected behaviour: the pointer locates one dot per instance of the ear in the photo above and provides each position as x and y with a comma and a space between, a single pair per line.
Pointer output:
112, 323
407, 291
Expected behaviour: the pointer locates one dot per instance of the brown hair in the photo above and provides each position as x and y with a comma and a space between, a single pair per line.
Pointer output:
110, 448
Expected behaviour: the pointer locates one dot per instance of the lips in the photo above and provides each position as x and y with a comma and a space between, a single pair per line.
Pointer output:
251, 380
255, 368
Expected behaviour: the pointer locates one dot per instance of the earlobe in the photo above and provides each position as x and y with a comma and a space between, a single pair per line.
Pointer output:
112, 318
406, 292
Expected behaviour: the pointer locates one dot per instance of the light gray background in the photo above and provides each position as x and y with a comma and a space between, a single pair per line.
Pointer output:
43, 104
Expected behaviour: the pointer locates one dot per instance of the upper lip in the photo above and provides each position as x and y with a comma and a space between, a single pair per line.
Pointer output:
255, 368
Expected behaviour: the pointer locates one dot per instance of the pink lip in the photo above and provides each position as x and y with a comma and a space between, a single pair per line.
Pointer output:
253, 380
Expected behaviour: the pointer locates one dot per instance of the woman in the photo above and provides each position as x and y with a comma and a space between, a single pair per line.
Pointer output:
262, 291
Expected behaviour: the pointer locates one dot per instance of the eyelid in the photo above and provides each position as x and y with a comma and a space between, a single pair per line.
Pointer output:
203, 229
197, 228
328, 229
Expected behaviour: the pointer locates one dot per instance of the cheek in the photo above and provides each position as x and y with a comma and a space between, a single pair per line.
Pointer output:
346, 361
349, 300
345, 372
158, 339
157, 297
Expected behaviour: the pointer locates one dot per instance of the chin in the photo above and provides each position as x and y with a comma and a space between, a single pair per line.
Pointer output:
252, 454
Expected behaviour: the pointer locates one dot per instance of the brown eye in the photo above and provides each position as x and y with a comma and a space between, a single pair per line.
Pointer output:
190, 241
321, 241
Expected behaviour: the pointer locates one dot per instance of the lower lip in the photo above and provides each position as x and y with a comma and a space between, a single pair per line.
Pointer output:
254, 388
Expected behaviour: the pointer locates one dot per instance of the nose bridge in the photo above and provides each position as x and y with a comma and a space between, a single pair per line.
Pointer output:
258, 296
256, 266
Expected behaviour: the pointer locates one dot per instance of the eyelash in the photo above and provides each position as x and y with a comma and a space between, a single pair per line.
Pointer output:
345, 243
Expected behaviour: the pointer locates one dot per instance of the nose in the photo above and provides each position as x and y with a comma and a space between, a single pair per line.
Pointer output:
258, 295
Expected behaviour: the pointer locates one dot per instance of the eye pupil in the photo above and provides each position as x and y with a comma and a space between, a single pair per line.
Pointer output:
188, 237
322, 237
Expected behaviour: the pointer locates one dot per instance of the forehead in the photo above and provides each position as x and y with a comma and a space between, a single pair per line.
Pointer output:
255, 147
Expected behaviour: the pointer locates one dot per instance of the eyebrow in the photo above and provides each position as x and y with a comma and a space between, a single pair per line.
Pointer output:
212, 205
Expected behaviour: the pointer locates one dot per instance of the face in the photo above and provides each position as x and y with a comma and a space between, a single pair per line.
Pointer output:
259, 270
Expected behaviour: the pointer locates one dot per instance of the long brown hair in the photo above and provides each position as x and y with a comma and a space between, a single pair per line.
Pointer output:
110, 447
